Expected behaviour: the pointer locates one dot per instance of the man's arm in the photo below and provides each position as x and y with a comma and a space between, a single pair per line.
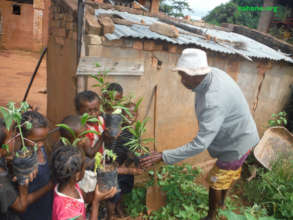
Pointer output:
210, 122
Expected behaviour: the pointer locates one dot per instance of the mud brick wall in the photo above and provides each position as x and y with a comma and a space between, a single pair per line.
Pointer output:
28, 30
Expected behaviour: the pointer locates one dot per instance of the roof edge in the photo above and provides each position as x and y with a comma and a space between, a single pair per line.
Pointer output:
261, 37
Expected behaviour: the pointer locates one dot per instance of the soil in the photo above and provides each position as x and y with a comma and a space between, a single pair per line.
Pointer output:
16, 69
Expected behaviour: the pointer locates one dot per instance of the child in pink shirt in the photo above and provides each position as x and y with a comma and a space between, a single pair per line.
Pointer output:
69, 200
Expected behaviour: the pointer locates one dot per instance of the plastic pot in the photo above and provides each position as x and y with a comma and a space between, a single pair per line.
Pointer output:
24, 164
113, 124
107, 179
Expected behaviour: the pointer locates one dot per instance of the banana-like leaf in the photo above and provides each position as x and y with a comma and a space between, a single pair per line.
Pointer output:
84, 118
65, 141
75, 142
138, 104
88, 132
93, 120
69, 129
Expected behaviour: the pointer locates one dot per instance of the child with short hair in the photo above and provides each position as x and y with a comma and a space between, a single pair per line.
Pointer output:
89, 102
68, 167
37, 135
14, 199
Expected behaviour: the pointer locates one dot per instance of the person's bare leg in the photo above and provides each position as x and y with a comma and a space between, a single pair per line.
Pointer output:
224, 195
215, 199
110, 210
119, 207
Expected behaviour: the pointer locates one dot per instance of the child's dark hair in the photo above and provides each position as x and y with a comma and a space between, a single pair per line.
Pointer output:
37, 120
74, 122
87, 96
2, 132
66, 161
115, 87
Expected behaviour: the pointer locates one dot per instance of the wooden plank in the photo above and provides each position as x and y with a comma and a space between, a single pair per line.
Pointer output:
121, 67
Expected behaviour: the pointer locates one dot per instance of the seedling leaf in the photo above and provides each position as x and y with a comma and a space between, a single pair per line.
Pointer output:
84, 118
93, 120
5, 147
88, 132
28, 125
65, 141
69, 129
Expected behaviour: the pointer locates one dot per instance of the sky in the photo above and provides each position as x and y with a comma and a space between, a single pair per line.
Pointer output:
202, 7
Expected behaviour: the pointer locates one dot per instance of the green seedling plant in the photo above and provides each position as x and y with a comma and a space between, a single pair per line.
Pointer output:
100, 160
279, 119
12, 116
108, 101
85, 118
185, 199
137, 143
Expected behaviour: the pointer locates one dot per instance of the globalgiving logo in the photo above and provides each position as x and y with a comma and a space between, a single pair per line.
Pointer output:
257, 8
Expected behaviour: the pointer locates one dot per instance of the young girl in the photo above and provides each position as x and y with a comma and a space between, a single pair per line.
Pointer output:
69, 202
37, 135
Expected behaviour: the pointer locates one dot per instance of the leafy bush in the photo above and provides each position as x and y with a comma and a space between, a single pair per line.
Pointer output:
255, 212
185, 198
273, 189
136, 202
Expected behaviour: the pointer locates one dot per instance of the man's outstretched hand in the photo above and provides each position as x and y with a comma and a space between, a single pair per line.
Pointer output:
150, 160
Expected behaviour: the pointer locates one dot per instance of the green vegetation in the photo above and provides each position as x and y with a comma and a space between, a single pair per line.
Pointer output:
12, 117
175, 8
279, 119
185, 199
229, 13
100, 160
273, 190
137, 143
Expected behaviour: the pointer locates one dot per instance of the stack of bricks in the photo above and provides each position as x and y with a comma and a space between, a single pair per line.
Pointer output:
95, 39
63, 23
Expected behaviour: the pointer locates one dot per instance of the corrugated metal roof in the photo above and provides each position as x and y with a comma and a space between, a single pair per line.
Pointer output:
253, 49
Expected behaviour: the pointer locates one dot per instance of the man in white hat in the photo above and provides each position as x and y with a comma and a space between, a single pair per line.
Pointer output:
226, 127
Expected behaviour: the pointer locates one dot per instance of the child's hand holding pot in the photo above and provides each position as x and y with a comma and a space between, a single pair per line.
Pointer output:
99, 196
29, 178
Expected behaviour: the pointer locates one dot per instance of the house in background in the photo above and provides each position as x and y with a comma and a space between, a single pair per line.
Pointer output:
24, 24
141, 59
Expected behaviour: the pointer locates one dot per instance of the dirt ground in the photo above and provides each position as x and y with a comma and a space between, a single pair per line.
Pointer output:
16, 69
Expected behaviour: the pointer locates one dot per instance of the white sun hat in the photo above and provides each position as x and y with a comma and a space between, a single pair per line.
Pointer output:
193, 62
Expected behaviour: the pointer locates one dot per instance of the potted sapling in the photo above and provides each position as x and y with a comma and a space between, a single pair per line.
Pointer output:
106, 170
25, 158
137, 143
